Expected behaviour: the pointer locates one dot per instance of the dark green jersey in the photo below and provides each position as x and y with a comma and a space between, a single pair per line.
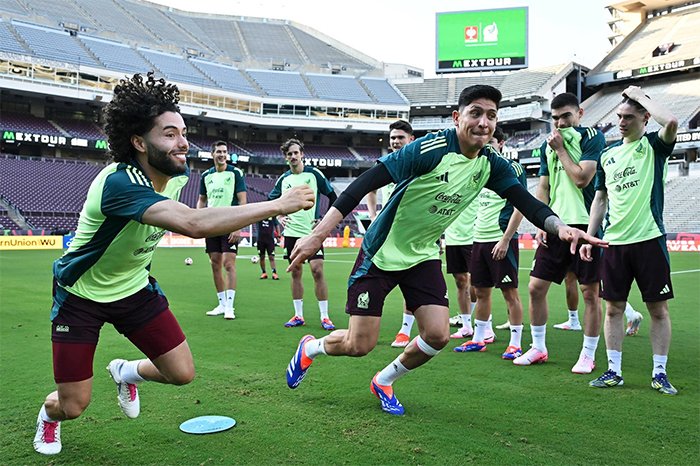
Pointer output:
111, 253
435, 184
221, 187
301, 223
633, 175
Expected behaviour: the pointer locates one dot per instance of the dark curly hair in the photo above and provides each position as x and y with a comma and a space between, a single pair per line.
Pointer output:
133, 109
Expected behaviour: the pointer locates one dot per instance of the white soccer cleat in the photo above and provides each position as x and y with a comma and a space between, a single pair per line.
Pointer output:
633, 325
456, 321
229, 314
568, 326
217, 311
584, 365
127, 393
504, 326
47, 440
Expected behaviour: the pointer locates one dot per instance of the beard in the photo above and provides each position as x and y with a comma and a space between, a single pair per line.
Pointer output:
161, 161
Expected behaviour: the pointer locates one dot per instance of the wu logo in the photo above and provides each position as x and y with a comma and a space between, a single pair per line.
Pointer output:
363, 300
443, 177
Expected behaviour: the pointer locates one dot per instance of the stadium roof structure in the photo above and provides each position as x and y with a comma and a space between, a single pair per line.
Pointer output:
517, 87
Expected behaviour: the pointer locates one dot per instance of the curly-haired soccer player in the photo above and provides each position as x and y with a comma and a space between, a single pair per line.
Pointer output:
104, 275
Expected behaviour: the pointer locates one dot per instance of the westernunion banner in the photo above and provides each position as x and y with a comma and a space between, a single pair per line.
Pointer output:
31, 242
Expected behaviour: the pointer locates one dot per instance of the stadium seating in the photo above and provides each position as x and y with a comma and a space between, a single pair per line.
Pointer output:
5, 222
80, 128
281, 83
8, 42
226, 77
269, 42
382, 91
369, 153
345, 88
176, 68
53, 44
28, 124
117, 56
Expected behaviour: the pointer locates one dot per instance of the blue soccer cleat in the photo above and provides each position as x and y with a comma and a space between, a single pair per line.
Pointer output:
607, 380
326, 324
660, 382
295, 322
470, 346
300, 363
386, 396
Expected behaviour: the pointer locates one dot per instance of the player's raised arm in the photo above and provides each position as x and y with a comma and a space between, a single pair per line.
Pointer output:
199, 223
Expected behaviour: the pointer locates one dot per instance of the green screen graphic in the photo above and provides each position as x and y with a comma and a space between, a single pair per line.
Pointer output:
481, 40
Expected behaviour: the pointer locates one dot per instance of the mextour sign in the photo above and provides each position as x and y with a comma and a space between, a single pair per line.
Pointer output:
50, 140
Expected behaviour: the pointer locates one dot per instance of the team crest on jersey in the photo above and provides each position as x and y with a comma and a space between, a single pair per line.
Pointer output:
474, 182
363, 300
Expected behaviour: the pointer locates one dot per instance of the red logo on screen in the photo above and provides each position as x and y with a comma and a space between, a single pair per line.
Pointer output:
471, 34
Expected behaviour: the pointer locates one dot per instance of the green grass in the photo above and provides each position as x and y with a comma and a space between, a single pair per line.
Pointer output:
460, 408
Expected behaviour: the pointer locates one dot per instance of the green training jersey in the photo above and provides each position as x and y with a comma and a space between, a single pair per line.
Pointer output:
633, 175
221, 188
110, 255
461, 231
435, 184
494, 212
301, 223
571, 204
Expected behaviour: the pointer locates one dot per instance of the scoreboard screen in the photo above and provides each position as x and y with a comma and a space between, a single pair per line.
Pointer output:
484, 40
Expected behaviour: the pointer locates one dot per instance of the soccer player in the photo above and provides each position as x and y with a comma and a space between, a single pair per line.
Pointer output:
568, 161
437, 177
300, 224
494, 263
400, 134
268, 230
630, 187
104, 274
222, 185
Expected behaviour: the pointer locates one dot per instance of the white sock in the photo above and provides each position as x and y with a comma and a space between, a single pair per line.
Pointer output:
630, 313
539, 333
590, 344
44, 416
230, 297
660, 361
299, 308
129, 372
489, 326
392, 372
221, 296
407, 324
615, 361
516, 335
573, 316
471, 307
480, 327
314, 347
466, 321
323, 308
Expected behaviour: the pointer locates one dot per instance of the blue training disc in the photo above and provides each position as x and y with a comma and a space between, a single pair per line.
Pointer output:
207, 424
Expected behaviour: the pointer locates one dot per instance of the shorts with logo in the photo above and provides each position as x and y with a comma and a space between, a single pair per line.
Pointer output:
220, 244
487, 272
552, 263
369, 286
646, 262
144, 318
290, 241
266, 245
458, 258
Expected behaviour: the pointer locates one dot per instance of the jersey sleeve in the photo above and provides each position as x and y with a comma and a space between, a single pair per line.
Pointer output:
420, 156
240, 181
661, 149
544, 168
519, 173
324, 186
592, 144
202, 185
277, 189
128, 196
600, 177
502, 175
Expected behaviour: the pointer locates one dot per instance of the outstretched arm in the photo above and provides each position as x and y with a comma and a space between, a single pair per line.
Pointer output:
199, 223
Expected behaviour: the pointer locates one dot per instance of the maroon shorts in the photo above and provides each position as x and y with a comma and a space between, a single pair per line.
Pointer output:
646, 262
220, 244
553, 262
290, 241
144, 318
420, 285
458, 258
488, 273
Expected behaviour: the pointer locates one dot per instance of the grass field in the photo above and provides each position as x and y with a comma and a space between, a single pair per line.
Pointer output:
460, 408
